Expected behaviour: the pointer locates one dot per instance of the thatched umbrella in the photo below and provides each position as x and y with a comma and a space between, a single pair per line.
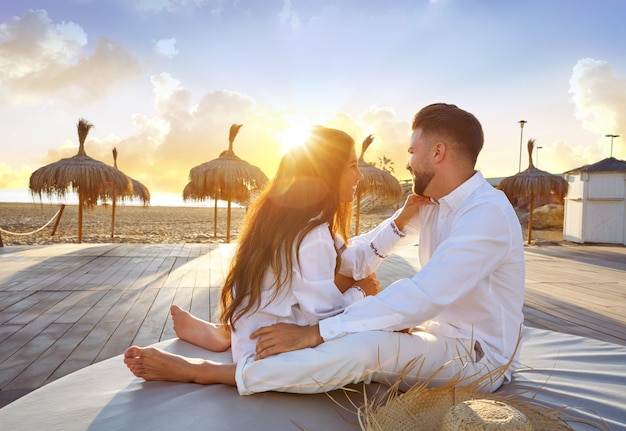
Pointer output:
226, 178
189, 193
90, 178
376, 182
533, 183
137, 190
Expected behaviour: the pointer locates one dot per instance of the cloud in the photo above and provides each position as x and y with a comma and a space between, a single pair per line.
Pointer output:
183, 134
31, 43
12, 179
562, 157
599, 97
288, 16
39, 58
391, 137
217, 6
166, 47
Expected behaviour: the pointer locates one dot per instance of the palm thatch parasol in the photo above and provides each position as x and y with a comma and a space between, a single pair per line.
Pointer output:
533, 183
376, 182
226, 178
91, 178
137, 190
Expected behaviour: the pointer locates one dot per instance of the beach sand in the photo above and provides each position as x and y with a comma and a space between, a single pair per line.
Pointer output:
133, 224
149, 225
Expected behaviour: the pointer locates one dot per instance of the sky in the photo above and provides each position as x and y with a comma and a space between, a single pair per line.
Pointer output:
163, 80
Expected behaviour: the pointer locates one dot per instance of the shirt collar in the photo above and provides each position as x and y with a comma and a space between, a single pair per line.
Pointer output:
453, 199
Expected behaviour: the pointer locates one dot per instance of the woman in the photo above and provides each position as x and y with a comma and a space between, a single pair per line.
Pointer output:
285, 266
307, 204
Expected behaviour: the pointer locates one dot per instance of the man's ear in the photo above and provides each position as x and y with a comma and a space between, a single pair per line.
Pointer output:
439, 151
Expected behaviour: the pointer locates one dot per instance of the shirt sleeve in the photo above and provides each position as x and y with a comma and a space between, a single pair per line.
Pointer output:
478, 242
313, 282
364, 254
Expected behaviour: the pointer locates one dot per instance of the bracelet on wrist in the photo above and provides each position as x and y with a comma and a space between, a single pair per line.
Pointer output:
396, 229
360, 290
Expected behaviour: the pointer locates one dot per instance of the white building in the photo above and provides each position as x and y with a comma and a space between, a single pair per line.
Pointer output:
595, 205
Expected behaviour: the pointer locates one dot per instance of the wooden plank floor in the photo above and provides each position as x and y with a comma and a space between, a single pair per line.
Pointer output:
577, 289
64, 307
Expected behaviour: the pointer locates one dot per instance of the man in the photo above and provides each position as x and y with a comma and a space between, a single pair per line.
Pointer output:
464, 305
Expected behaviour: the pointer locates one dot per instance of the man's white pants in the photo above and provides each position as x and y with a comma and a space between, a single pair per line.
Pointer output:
373, 356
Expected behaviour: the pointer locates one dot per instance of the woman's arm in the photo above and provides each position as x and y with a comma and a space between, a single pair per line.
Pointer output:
370, 285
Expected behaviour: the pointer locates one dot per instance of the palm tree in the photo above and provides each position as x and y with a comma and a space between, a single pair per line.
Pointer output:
386, 164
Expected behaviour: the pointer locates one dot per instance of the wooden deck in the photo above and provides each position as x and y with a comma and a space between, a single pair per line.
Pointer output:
64, 307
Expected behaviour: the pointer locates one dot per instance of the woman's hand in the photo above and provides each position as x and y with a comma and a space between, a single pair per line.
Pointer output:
411, 205
370, 284
343, 282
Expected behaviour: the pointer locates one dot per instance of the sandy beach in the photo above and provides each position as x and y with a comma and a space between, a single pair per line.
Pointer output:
133, 224
149, 225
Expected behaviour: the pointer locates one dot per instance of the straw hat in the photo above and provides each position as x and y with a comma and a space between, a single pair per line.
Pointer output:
485, 415
440, 408
426, 409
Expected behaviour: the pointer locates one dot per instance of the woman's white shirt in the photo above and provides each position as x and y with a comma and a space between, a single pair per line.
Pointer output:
311, 295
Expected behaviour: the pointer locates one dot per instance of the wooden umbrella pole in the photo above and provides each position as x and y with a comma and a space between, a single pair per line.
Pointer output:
80, 216
228, 223
215, 218
58, 220
530, 217
113, 217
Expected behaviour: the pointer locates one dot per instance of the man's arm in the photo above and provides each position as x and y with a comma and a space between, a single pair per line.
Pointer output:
285, 337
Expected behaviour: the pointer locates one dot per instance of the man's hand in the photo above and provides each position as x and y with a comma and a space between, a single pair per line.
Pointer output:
370, 284
285, 337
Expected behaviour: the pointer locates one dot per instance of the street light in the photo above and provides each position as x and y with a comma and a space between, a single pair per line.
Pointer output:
538, 148
612, 136
521, 133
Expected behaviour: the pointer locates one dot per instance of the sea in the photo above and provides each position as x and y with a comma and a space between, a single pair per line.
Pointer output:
156, 199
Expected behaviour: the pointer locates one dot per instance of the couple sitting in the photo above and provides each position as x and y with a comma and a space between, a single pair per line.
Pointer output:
301, 307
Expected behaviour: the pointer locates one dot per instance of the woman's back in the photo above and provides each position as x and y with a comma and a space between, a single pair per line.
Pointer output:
310, 295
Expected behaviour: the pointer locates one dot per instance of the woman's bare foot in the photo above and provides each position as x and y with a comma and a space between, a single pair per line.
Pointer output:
150, 363
199, 332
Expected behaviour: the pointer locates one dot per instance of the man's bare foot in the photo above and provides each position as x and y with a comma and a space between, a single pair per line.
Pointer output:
199, 332
150, 363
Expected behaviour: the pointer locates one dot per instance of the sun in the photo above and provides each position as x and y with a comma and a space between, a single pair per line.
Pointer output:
296, 131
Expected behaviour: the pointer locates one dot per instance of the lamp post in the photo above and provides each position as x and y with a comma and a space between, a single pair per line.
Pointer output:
538, 148
612, 136
521, 133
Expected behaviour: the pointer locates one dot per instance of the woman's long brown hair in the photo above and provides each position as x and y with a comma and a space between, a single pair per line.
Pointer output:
303, 194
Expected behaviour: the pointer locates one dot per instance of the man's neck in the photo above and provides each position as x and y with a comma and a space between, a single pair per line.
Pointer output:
446, 184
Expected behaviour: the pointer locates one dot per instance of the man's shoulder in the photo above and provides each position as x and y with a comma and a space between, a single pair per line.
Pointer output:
492, 203
491, 195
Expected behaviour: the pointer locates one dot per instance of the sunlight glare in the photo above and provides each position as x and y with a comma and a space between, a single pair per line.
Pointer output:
297, 130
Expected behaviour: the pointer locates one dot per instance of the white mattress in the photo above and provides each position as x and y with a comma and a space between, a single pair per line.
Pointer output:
562, 370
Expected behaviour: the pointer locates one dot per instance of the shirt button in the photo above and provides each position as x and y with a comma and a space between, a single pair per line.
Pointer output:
331, 332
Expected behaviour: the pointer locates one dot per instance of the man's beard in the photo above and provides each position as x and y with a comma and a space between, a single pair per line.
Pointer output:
421, 181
